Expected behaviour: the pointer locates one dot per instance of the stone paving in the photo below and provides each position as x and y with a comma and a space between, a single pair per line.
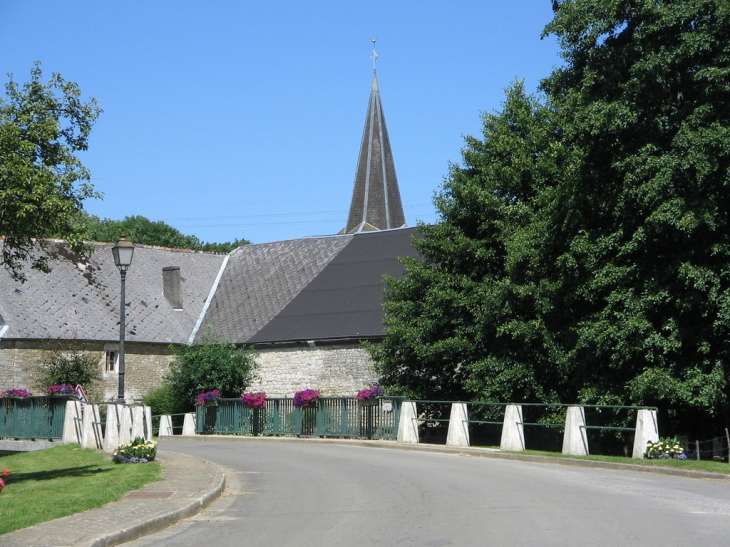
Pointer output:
188, 485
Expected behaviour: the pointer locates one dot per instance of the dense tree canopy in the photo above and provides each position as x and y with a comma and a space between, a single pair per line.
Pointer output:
42, 181
147, 232
583, 253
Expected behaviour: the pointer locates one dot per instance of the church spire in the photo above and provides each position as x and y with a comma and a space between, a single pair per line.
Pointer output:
376, 203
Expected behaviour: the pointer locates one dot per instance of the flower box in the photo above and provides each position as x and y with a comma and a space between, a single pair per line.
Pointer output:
306, 398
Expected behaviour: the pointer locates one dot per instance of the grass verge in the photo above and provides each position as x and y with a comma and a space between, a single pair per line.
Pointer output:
49, 484
691, 465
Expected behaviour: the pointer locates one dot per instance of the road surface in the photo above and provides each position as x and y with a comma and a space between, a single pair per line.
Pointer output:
283, 492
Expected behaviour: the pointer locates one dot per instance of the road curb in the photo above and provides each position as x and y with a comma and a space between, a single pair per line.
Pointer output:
160, 522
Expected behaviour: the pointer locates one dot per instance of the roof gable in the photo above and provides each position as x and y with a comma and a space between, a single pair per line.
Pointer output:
345, 300
260, 280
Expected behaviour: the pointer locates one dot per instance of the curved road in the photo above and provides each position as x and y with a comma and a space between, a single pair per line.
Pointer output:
309, 494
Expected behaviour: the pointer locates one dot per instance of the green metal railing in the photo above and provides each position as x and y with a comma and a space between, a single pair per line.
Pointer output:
330, 417
32, 417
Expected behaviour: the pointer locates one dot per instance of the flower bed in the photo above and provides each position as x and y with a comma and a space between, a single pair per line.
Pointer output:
138, 451
664, 448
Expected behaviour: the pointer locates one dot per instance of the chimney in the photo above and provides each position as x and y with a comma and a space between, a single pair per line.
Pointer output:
171, 286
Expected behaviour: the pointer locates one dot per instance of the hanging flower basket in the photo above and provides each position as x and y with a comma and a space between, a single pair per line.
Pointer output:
208, 398
306, 398
369, 396
16, 393
61, 389
256, 399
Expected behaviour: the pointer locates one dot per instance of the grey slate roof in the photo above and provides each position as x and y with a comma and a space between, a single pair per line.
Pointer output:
323, 288
376, 202
79, 299
260, 280
344, 301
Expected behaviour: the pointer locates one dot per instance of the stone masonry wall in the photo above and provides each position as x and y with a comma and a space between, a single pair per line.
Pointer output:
333, 370
145, 365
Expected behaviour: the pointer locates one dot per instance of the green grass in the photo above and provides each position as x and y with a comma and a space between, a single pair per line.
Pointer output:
49, 484
692, 465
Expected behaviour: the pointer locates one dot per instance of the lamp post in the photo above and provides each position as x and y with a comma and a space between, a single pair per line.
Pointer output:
123, 251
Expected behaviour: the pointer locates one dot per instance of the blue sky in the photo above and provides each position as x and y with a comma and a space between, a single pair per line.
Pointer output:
240, 119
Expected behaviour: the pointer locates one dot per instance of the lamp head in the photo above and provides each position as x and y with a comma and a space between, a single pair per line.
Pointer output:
123, 251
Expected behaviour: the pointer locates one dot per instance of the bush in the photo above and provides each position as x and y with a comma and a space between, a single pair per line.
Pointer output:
211, 365
161, 400
72, 368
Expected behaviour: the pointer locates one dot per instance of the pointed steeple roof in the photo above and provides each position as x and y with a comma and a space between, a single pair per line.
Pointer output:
376, 203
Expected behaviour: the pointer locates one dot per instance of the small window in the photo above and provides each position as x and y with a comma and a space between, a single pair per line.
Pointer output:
111, 361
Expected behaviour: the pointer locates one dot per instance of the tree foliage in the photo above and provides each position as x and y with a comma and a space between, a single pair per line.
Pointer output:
210, 365
42, 181
75, 368
583, 251
147, 232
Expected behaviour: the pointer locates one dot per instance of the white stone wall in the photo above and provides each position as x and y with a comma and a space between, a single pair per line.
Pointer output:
335, 371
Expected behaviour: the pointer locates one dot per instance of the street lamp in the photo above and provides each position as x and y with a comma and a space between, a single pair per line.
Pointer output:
123, 251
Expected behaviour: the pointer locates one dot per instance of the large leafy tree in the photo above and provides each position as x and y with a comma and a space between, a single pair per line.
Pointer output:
142, 230
585, 238
42, 181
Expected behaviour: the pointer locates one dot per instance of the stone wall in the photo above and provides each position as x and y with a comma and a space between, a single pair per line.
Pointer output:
333, 370
145, 365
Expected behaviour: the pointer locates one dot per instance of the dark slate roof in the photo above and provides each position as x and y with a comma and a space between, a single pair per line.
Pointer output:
344, 301
79, 298
260, 280
376, 202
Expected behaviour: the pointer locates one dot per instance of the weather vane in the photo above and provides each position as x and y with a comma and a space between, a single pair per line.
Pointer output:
374, 56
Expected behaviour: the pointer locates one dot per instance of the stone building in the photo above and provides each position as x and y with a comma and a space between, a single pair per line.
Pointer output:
305, 304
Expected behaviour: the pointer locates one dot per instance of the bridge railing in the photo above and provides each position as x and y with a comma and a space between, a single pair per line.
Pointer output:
32, 418
329, 417
565, 424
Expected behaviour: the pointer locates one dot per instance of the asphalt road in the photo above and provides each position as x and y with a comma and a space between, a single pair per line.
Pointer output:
308, 494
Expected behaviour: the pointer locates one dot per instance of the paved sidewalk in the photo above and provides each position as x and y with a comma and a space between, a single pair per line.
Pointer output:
189, 484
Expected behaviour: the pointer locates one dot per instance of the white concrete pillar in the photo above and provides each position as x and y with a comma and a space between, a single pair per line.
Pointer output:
513, 433
165, 426
147, 423
407, 423
125, 424
111, 431
575, 439
458, 434
72, 422
91, 436
137, 421
646, 430
189, 424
